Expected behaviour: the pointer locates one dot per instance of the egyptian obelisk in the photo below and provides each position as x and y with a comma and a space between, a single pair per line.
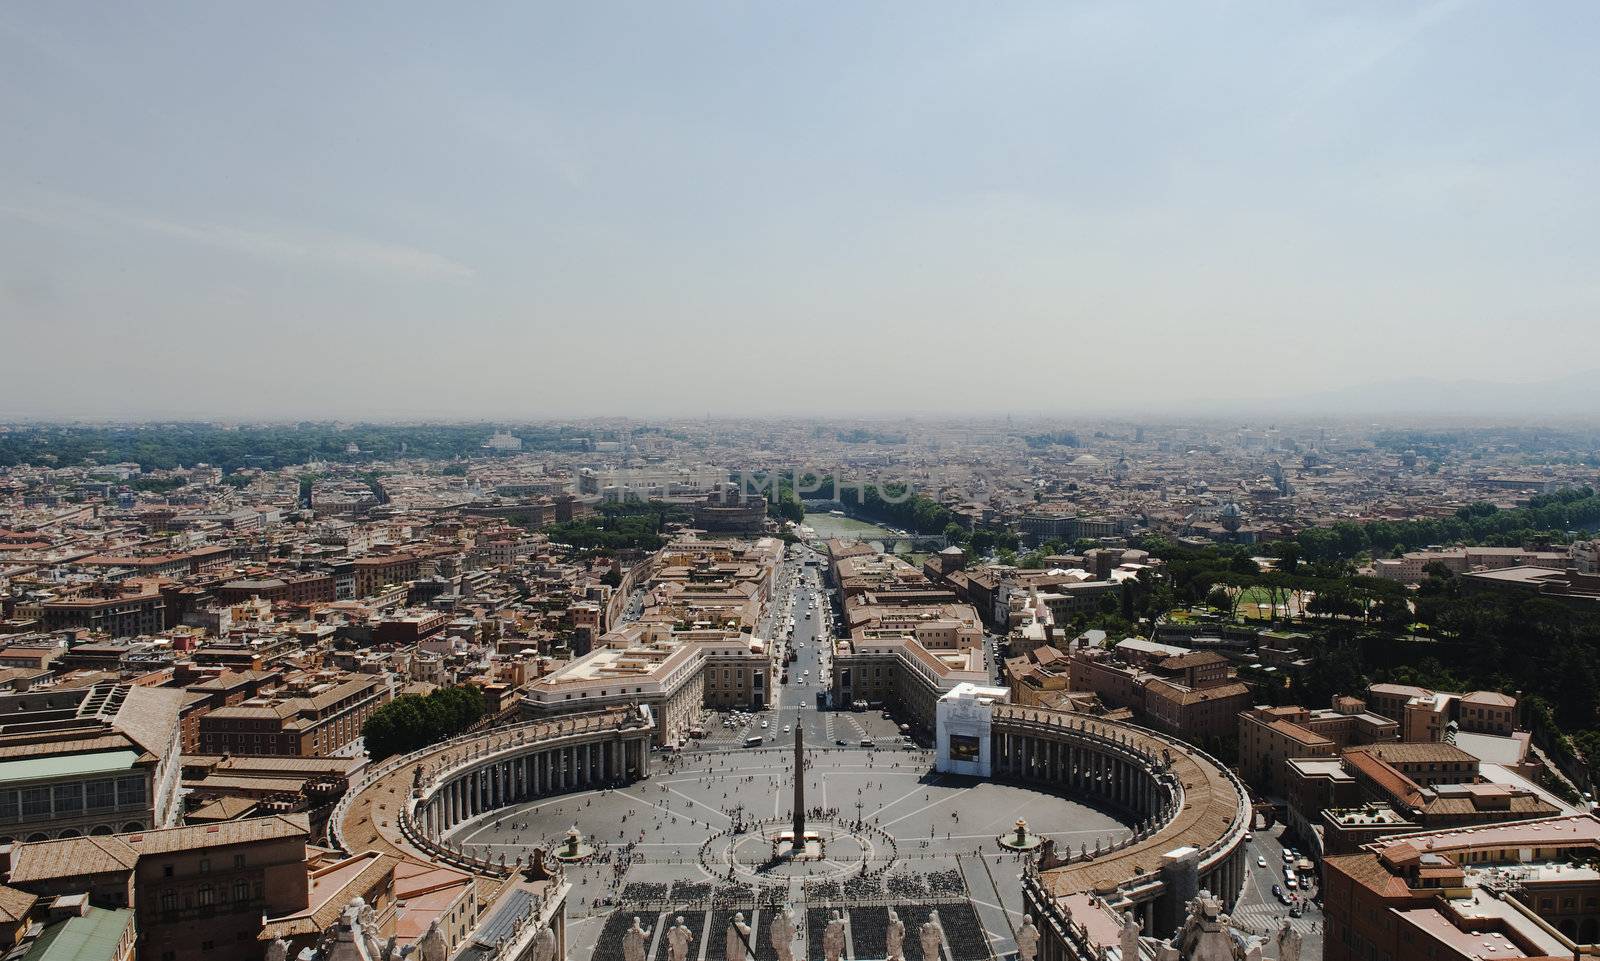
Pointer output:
799, 796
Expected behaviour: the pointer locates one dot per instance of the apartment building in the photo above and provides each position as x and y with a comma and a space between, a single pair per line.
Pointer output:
674, 674
1270, 736
122, 609
309, 717
1511, 888
88, 761
1188, 694
379, 571
283, 587
1410, 568
199, 893
1426, 715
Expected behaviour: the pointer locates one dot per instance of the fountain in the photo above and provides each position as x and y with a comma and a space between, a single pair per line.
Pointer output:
1021, 839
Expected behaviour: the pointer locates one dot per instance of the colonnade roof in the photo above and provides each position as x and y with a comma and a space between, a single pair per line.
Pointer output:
1211, 801
381, 801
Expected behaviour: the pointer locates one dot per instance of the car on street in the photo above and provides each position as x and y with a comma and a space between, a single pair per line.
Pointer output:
841, 742
1261, 862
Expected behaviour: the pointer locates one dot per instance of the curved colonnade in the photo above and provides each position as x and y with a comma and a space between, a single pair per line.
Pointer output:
408, 804
1189, 813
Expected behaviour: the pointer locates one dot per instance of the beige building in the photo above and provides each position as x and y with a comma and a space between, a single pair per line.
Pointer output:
200, 893
1426, 715
314, 716
1410, 567
88, 761
674, 674
1188, 694
1269, 737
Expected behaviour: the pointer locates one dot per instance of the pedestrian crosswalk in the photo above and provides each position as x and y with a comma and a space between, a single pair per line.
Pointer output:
1264, 919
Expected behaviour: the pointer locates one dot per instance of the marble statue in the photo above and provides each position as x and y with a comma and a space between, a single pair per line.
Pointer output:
635, 941
1129, 939
1289, 942
895, 937
278, 950
363, 924
738, 938
431, 946
678, 941
1027, 939
931, 935
1205, 934
781, 932
833, 937
544, 944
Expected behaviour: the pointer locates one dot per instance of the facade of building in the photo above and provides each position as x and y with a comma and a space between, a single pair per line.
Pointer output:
199, 893
89, 761
1187, 694
122, 609
313, 718
1453, 894
1270, 736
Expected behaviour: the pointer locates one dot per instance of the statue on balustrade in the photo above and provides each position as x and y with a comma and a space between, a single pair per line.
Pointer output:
931, 934
780, 931
737, 944
895, 937
678, 941
635, 941
1027, 939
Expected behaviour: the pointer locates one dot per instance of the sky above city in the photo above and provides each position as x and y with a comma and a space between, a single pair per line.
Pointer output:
526, 210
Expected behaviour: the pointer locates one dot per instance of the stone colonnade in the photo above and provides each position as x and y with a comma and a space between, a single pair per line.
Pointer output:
1079, 760
529, 771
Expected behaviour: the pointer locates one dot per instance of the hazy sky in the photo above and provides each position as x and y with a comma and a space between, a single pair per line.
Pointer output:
359, 209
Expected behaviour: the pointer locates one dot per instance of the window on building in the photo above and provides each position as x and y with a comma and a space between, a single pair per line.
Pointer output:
99, 795
206, 895
69, 798
36, 802
130, 790
241, 891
